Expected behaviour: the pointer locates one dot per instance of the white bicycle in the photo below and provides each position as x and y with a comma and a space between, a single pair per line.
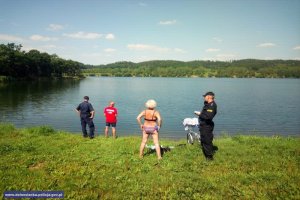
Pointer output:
192, 130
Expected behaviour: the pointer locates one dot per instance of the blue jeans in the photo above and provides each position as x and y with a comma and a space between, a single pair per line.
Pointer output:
87, 121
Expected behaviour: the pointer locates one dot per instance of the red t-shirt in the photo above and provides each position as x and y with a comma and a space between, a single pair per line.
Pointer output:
110, 114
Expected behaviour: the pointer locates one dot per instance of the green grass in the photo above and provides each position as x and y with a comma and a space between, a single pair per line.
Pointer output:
245, 167
3, 78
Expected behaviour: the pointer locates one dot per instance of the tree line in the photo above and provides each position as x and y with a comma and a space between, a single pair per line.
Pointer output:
33, 64
170, 68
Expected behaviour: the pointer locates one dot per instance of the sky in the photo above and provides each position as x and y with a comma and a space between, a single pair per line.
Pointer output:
107, 31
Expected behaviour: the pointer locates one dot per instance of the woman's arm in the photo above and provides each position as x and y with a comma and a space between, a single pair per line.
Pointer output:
138, 118
158, 117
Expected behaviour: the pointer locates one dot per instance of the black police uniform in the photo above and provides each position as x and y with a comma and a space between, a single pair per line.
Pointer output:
85, 109
206, 128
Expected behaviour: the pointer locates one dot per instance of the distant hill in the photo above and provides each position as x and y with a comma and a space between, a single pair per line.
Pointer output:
172, 68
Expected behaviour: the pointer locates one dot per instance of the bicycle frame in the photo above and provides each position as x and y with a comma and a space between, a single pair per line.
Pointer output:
192, 135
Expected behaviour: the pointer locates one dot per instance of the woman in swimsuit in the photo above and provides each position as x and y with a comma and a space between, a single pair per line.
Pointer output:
151, 126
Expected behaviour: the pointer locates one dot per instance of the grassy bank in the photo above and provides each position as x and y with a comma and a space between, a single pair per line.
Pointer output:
4, 78
245, 167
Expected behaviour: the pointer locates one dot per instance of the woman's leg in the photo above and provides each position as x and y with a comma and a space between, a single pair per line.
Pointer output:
156, 143
144, 141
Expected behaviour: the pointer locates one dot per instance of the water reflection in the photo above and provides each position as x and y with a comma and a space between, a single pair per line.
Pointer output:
22, 101
17, 93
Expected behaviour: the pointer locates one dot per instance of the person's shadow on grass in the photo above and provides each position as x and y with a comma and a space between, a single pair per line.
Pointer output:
163, 150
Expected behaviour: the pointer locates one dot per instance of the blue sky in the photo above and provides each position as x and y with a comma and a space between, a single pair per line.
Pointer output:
107, 31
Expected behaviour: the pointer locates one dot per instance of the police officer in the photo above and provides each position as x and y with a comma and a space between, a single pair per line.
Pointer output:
206, 127
86, 112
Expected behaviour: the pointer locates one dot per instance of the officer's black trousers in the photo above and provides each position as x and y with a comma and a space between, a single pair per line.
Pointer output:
87, 121
206, 133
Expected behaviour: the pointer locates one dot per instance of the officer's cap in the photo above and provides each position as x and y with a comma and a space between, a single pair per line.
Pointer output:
209, 93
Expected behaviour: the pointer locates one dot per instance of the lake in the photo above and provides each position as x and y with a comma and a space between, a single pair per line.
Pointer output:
245, 106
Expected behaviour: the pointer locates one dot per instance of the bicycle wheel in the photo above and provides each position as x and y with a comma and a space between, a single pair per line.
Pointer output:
198, 138
189, 138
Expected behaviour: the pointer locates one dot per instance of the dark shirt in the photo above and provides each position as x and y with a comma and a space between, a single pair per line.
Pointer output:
208, 112
85, 108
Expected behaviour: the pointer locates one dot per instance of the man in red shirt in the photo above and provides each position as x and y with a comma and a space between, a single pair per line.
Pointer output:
110, 114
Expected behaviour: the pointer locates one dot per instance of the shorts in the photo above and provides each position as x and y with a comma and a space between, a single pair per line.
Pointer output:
111, 124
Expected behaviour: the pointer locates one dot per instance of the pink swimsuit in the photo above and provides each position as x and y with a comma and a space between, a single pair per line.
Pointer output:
150, 129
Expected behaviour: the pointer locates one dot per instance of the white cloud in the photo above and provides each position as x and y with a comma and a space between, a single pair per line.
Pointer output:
297, 48
145, 47
212, 50
83, 35
109, 50
168, 22
55, 27
269, 44
42, 38
217, 39
10, 38
178, 50
49, 48
154, 48
110, 36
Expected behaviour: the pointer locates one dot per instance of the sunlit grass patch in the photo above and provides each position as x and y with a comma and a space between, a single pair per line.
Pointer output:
245, 167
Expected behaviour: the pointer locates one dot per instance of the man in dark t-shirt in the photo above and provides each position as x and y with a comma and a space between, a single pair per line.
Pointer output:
86, 113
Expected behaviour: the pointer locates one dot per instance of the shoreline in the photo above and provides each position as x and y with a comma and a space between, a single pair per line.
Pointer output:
163, 135
85, 74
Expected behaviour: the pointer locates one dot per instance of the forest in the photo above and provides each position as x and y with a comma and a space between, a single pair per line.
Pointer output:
247, 68
33, 64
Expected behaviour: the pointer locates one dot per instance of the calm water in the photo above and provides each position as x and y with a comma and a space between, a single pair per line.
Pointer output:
245, 106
